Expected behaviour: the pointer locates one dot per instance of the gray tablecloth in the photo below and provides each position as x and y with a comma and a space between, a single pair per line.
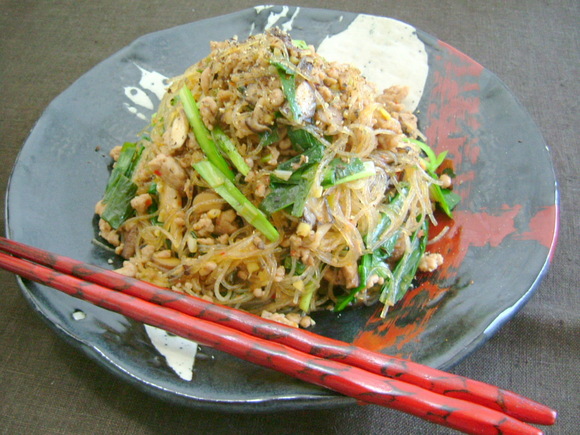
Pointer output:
48, 387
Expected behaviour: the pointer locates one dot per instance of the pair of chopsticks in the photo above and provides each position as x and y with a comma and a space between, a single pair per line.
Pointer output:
442, 398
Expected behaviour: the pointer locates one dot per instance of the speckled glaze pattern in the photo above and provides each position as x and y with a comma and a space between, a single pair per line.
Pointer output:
497, 248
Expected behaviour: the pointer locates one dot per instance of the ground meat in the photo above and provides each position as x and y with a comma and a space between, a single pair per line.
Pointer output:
351, 277
169, 170
280, 318
108, 233
430, 261
207, 268
205, 80
116, 152
328, 119
141, 203
208, 109
130, 239
261, 118
128, 269
204, 226
99, 207
393, 97
226, 222
408, 123
446, 181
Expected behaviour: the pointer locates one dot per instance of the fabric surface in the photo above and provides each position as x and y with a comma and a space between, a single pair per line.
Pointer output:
48, 387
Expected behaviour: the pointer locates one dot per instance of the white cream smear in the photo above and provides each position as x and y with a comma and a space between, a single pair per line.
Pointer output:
178, 352
151, 81
388, 52
274, 17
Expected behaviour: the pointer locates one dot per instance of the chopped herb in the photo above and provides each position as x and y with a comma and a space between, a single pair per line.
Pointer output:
299, 267
293, 189
406, 268
306, 297
300, 43
446, 198
339, 172
120, 188
268, 138
288, 80
302, 139
373, 263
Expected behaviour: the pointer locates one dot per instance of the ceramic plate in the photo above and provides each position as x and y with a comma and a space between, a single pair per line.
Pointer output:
496, 249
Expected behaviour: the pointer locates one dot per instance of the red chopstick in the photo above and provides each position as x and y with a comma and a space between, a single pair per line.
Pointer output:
426, 377
375, 389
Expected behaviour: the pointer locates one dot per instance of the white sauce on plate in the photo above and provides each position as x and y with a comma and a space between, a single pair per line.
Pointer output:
388, 52
151, 84
178, 352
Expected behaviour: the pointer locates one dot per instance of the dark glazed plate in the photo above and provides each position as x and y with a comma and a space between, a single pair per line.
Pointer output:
497, 248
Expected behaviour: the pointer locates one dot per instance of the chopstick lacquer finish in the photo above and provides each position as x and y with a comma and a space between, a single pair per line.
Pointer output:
329, 363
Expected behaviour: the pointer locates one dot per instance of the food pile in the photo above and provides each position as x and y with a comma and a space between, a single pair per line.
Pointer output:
277, 182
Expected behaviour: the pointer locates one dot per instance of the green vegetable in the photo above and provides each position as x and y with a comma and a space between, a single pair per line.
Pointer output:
370, 264
394, 208
288, 80
446, 198
433, 161
300, 43
202, 134
306, 297
293, 189
230, 150
339, 172
268, 138
284, 195
229, 192
302, 139
406, 268
120, 188
118, 202
299, 268
374, 263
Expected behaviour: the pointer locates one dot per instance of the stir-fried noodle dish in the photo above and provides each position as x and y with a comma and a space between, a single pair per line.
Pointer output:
277, 182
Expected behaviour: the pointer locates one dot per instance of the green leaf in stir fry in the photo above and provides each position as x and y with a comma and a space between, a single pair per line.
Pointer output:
284, 194
288, 80
118, 201
451, 199
339, 171
291, 182
202, 134
406, 268
300, 43
306, 297
299, 267
229, 192
120, 188
373, 263
302, 139
268, 138
446, 199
